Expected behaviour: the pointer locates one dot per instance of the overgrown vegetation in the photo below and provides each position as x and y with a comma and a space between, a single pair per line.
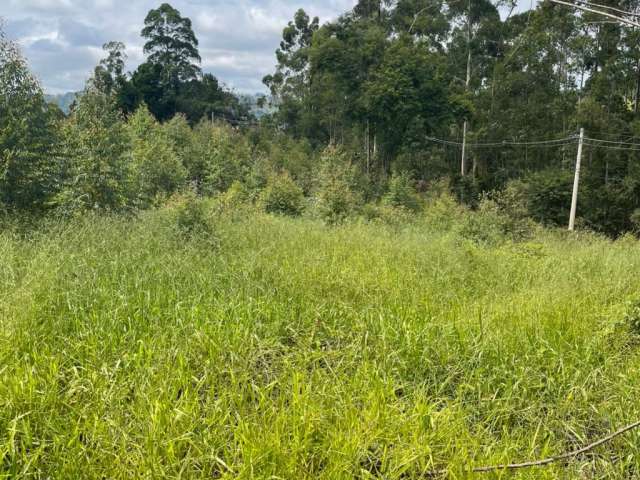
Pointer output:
138, 347
322, 294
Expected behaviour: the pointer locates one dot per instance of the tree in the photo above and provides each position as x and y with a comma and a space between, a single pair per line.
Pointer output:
109, 76
289, 84
405, 97
96, 172
157, 169
172, 44
27, 134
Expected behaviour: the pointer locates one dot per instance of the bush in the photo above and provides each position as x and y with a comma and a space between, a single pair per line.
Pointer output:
157, 168
485, 226
401, 193
282, 196
28, 133
217, 157
442, 211
548, 195
97, 167
335, 195
190, 214
512, 205
236, 202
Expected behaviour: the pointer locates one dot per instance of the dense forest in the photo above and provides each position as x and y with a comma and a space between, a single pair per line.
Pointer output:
391, 101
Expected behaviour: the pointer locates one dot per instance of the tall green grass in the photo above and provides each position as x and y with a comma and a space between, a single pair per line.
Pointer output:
282, 348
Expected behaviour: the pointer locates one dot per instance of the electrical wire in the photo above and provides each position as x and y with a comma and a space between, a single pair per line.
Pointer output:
612, 147
613, 9
507, 143
615, 142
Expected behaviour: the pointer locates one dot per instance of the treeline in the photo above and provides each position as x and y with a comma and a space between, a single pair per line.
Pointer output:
358, 102
386, 77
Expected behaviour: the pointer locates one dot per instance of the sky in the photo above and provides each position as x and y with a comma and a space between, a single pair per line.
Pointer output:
62, 39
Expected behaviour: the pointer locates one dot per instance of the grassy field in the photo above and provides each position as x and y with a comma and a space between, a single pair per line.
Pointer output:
284, 349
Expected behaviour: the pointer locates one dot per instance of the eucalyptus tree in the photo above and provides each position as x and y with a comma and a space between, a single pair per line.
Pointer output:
27, 134
172, 44
109, 76
291, 81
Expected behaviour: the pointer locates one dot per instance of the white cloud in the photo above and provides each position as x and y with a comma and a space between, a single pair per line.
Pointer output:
238, 38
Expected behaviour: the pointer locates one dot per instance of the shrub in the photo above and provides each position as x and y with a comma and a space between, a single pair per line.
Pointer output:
548, 195
28, 134
387, 215
236, 202
282, 196
96, 170
401, 193
512, 205
157, 169
335, 195
190, 214
442, 211
484, 226
217, 157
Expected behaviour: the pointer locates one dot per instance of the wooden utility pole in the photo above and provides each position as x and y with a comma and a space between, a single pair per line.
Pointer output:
463, 163
576, 184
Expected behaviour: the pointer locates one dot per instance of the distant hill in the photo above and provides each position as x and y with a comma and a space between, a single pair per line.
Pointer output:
63, 100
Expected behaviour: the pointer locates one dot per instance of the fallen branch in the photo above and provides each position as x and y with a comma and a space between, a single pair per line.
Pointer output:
546, 461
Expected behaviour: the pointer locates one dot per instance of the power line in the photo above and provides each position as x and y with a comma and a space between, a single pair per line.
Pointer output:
613, 9
615, 142
613, 147
507, 143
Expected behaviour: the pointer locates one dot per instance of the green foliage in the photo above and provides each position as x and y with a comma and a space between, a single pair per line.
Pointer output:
486, 226
190, 215
499, 218
217, 157
513, 206
156, 168
335, 196
390, 215
28, 137
109, 76
96, 173
548, 196
282, 196
171, 44
281, 152
442, 211
401, 193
